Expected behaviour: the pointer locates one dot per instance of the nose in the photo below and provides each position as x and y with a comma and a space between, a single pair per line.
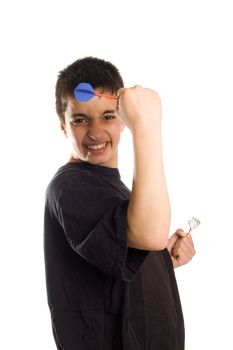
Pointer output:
95, 131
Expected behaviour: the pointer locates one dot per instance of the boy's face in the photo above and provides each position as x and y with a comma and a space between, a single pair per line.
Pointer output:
93, 129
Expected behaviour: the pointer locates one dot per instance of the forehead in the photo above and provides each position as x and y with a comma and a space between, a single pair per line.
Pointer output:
96, 105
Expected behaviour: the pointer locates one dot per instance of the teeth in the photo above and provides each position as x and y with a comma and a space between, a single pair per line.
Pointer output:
95, 147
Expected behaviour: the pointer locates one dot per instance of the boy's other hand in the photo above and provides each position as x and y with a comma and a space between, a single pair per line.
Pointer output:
181, 248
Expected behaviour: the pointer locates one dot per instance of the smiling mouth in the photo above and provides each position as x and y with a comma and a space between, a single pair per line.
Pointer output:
97, 147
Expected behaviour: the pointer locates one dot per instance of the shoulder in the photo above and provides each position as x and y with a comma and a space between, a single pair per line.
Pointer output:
76, 183
83, 193
74, 178
63, 188
67, 177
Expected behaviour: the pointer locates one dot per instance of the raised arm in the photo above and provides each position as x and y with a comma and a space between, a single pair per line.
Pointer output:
149, 208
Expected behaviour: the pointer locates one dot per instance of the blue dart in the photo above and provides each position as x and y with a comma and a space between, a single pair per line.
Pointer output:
84, 92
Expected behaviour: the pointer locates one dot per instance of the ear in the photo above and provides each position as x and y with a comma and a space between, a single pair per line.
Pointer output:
63, 128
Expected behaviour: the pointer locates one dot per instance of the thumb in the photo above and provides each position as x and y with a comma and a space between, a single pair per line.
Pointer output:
180, 232
171, 241
120, 91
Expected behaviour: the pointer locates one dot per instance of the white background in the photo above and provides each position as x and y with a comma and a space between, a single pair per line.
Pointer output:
183, 49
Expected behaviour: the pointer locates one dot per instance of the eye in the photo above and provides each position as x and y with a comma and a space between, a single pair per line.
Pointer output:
109, 117
79, 121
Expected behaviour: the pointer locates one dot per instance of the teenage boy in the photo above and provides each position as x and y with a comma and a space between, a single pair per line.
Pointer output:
109, 261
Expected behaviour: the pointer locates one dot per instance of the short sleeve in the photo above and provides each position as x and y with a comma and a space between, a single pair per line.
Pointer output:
96, 228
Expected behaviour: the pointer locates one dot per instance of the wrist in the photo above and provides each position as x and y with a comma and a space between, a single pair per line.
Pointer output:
145, 129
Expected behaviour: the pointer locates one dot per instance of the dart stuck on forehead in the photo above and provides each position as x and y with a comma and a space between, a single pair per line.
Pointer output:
84, 92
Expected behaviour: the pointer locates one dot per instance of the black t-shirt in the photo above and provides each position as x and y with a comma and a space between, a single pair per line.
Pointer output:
102, 294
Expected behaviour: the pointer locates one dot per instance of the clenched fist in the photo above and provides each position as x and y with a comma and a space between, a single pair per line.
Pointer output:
139, 108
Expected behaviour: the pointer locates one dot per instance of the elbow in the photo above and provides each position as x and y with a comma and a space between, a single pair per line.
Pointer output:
149, 242
159, 244
157, 236
155, 243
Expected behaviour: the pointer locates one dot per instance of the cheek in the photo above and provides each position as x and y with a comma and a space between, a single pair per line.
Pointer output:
75, 134
75, 137
116, 131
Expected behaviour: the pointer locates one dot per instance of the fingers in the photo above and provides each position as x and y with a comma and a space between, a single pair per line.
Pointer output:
134, 103
173, 240
175, 237
121, 91
183, 251
184, 245
181, 247
180, 232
